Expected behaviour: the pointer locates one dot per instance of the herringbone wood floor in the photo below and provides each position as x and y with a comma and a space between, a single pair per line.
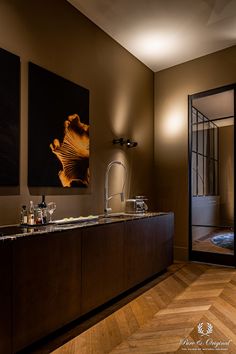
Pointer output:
166, 318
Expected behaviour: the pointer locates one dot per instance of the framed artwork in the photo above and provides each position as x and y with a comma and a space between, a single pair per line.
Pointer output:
9, 118
58, 135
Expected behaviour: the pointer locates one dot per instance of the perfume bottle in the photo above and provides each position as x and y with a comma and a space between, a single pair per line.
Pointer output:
24, 215
31, 214
43, 207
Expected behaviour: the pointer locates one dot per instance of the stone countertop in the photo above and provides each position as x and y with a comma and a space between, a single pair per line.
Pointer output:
12, 232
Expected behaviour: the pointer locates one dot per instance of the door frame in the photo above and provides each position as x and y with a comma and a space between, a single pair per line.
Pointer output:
200, 256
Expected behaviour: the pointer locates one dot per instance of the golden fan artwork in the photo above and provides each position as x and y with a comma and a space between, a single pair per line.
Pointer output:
58, 139
73, 153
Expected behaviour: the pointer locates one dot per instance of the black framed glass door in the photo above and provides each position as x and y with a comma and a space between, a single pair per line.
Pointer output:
211, 176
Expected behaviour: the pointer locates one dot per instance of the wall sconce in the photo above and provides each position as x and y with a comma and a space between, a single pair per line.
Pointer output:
129, 143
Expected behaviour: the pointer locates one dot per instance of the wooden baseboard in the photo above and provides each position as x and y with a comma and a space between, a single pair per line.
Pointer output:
181, 254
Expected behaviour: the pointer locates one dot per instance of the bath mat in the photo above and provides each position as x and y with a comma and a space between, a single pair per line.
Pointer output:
225, 240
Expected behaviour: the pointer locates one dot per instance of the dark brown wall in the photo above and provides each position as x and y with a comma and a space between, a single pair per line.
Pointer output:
172, 87
57, 37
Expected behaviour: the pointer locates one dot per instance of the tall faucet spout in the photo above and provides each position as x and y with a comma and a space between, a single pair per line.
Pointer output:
106, 187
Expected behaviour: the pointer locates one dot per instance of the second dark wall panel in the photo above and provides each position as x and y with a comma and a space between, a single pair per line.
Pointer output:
9, 118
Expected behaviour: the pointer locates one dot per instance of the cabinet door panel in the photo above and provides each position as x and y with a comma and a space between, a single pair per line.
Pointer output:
102, 264
5, 296
139, 251
148, 248
164, 226
46, 285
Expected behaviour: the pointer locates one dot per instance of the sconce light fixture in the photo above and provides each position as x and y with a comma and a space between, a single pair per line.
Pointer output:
129, 143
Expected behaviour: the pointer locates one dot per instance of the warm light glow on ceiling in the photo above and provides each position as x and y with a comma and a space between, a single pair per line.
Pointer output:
155, 44
165, 33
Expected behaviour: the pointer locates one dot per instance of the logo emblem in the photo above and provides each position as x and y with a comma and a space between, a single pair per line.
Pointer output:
208, 331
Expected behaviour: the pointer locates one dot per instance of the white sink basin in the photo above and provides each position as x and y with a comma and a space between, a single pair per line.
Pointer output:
71, 220
125, 214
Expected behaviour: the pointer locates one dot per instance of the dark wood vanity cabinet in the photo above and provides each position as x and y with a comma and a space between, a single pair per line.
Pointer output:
102, 264
46, 284
148, 248
118, 256
51, 279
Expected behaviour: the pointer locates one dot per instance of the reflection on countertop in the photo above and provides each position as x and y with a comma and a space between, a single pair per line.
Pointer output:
11, 232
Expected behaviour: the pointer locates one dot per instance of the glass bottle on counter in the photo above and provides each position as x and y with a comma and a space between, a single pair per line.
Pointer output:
43, 207
31, 214
24, 215
38, 215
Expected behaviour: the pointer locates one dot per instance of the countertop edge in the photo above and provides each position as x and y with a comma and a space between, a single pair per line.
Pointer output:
27, 231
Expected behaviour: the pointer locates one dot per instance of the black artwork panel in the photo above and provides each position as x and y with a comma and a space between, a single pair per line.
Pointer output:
9, 118
52, 99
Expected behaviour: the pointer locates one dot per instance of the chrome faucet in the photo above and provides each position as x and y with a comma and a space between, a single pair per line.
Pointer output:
106, 189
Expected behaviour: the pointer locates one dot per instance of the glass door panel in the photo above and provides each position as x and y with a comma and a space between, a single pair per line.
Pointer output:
211, 159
